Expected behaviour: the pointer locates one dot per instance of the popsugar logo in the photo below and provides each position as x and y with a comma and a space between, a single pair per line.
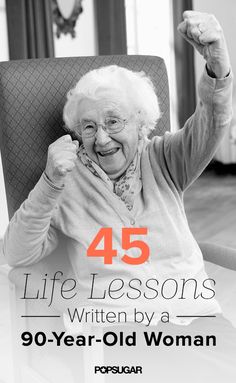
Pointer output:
118, 369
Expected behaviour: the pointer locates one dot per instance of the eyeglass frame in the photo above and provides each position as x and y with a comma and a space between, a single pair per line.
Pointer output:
96, 125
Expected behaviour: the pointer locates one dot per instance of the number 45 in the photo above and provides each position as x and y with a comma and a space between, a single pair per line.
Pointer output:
108, 252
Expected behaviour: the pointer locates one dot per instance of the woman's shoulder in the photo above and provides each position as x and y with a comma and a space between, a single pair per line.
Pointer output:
157, 142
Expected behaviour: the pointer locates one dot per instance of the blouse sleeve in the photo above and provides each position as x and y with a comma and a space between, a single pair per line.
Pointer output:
186, 153
30, 235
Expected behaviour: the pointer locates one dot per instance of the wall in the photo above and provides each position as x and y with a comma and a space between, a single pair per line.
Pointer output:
150, 32
225, 12
4, 54
85, 42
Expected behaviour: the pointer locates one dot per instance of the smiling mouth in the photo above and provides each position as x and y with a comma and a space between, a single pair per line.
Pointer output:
108, 152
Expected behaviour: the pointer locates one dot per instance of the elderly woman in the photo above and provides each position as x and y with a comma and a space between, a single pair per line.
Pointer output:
113, 176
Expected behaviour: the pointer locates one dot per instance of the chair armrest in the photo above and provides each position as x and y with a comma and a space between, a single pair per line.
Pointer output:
219, 255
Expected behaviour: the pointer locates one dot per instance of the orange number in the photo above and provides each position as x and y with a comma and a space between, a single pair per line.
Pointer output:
107, 252
128, 244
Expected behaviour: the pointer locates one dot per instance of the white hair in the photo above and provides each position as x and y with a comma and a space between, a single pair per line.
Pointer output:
138, 87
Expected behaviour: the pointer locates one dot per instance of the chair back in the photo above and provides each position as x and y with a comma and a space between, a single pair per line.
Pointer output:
32, 96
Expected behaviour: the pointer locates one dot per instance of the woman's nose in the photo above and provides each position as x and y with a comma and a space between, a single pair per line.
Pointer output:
102, 137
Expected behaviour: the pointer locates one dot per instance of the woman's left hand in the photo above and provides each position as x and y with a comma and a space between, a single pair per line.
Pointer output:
204, 32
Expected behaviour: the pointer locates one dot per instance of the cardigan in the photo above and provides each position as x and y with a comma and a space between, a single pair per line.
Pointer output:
172, 280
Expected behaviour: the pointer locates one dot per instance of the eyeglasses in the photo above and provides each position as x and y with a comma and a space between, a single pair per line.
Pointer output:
111, 125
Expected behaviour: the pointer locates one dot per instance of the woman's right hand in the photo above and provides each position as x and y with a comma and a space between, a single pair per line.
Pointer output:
61, 159
204, 33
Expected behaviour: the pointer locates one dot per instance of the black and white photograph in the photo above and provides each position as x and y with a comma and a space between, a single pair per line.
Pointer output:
117, 191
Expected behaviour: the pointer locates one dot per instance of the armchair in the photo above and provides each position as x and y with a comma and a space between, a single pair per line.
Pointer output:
32, 95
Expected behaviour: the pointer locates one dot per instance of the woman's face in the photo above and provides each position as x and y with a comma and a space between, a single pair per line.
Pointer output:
113, 153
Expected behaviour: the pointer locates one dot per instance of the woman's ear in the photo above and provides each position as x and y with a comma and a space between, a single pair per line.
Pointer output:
74, 135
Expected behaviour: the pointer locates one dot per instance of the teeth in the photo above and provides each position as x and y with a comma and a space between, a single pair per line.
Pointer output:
108, 152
